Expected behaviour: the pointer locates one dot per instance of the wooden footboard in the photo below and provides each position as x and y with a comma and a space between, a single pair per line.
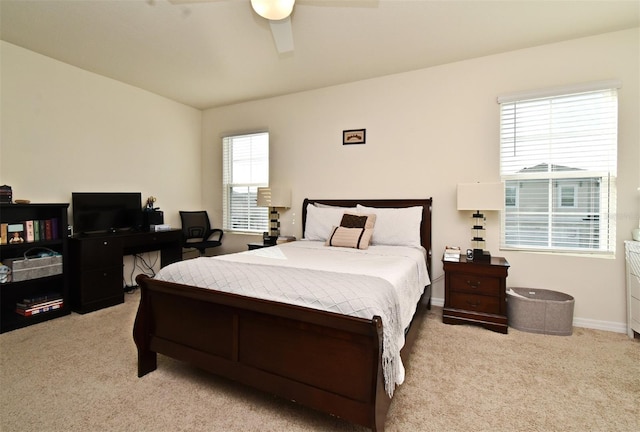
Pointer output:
305, 355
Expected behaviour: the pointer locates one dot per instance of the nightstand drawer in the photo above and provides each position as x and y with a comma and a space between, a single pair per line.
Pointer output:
475, 303
475, 284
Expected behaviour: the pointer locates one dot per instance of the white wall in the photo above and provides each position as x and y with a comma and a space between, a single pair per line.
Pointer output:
65, 129
430, 129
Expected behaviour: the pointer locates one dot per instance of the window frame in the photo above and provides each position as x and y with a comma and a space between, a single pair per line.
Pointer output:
256, 219
519, 234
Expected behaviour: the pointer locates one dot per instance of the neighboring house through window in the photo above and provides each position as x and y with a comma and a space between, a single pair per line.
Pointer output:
245, 168
558, 161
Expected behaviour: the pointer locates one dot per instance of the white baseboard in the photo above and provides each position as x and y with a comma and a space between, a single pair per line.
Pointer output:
437, 301
611, 326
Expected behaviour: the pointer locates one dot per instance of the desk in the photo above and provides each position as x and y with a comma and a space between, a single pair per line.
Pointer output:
96, 264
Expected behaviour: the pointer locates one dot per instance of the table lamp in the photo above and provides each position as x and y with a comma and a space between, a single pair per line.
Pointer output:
274, 198
480, 197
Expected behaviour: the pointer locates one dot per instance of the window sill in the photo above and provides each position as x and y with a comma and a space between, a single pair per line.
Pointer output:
601, 255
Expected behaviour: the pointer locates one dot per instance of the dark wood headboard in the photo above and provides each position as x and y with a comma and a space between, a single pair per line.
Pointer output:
425, 226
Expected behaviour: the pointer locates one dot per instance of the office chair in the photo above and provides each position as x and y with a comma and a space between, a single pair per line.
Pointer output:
197, 232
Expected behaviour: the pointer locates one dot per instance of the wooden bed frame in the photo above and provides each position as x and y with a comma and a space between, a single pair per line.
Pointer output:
326, 361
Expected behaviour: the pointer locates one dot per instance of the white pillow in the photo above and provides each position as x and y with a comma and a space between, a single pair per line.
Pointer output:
395, 226
321, 220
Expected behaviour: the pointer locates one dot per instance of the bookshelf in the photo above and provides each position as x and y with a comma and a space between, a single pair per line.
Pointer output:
42, 286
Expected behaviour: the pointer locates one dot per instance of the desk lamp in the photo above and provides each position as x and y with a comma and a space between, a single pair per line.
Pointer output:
274, 198
477, 197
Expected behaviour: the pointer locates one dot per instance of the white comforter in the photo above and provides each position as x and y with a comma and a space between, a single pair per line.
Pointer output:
382, 280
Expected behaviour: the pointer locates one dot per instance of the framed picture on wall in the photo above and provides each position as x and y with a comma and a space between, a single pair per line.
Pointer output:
354, 136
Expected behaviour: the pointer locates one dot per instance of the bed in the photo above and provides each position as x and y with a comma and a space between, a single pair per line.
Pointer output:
327, 360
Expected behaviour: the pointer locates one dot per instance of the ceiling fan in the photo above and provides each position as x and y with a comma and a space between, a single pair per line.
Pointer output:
277, 12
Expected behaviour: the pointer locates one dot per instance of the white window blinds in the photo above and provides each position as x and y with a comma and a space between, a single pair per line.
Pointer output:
245, 168
558, 160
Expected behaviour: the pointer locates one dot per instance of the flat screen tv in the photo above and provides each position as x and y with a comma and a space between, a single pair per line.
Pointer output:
101, 212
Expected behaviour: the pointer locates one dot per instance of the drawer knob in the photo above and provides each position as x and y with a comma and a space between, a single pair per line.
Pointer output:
473, 304
473, 284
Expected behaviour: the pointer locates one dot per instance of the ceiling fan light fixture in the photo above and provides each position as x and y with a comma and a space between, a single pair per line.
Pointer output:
273, 9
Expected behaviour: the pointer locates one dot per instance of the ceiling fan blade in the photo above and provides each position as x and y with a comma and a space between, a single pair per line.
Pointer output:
282, 34
280, 29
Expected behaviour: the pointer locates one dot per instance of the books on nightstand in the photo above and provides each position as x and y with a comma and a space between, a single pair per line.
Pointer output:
452, 253
285, 239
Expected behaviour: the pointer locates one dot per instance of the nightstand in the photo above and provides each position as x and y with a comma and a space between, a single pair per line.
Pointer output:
475, 293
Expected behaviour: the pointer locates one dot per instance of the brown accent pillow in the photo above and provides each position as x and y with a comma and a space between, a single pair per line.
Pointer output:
353, 220
355, 231
357, 238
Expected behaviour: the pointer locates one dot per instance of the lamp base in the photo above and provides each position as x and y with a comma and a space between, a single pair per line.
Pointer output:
481, 255
269, 239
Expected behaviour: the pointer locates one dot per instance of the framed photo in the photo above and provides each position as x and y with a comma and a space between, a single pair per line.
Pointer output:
354, 136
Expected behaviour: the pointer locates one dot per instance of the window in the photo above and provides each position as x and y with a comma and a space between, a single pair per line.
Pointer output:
245, 168
511, 196
567, 196
558, 161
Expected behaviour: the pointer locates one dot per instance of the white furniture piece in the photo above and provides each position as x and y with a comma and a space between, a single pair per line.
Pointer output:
632, 255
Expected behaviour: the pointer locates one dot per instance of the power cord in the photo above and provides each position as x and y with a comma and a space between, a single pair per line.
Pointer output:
144, 266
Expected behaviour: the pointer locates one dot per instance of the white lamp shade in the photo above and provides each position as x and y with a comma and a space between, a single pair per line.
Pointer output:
273, 9
481, 196
274, 197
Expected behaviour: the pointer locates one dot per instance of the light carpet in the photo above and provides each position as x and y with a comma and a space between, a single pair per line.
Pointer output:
79, 373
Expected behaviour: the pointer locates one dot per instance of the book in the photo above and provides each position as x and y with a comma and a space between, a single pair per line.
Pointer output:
3, 233
43, 235
452, 253
48, 233
36, 230
30, 301
28, 306
28, 231
39, 309
55, 233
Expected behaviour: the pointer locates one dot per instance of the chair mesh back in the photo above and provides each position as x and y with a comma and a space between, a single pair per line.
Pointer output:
194, 224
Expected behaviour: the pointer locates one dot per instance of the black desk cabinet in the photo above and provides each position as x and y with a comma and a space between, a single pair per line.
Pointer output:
96, 278
97, 269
